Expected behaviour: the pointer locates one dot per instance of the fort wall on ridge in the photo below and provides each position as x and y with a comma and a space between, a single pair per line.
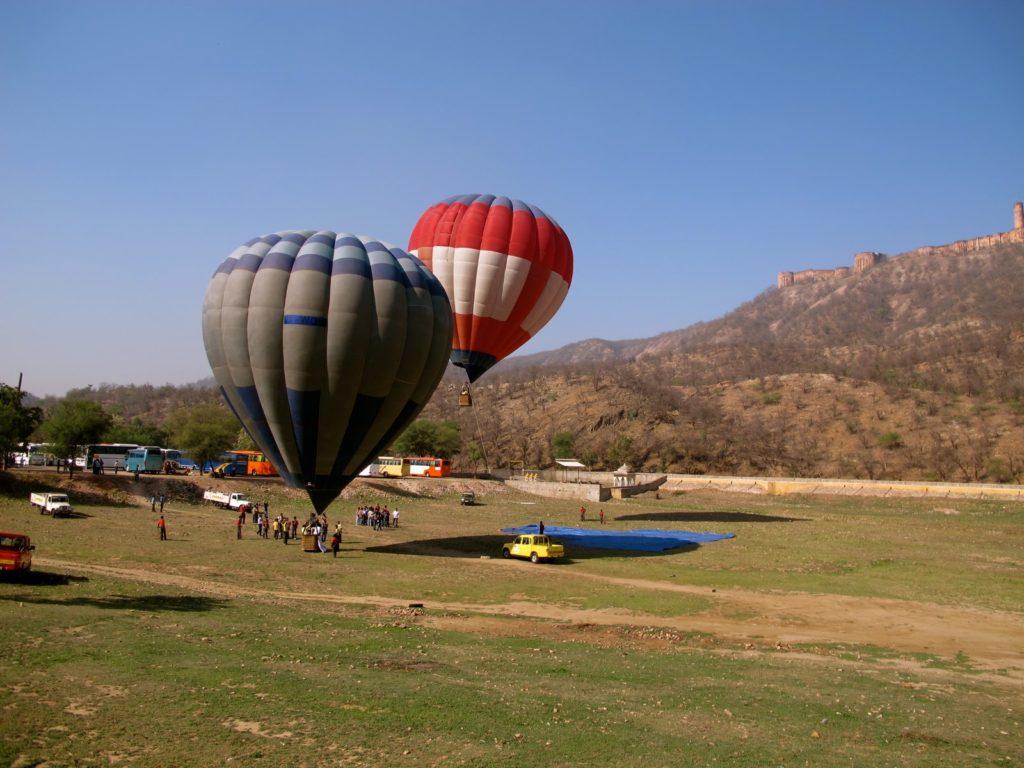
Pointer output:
865, 260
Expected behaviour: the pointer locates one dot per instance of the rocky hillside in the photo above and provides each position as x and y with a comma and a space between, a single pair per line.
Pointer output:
941, 322
914, 369
151, 404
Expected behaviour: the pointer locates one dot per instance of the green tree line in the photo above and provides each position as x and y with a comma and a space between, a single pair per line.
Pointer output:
203, 430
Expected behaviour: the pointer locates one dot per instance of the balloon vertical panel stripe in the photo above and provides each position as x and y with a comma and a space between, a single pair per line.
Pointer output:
506, 266
325, 346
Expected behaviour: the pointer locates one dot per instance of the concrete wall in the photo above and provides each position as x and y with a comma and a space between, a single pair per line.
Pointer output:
602, 478
583, 491
625, 492
838, 487
608, 478
596, 487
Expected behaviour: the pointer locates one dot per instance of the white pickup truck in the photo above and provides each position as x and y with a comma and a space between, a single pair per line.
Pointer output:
233, 500
55, 504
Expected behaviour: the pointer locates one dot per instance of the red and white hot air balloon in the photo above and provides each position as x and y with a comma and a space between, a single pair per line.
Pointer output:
506, 267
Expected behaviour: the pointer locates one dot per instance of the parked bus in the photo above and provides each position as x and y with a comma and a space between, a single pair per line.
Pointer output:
393, 466
147, 458
242, 463
109, 453
429, 466
38, 454
256, 463
370, 470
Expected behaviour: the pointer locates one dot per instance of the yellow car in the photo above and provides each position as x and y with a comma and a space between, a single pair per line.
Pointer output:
533, 546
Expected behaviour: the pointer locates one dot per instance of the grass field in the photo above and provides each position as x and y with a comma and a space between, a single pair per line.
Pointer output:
829, 632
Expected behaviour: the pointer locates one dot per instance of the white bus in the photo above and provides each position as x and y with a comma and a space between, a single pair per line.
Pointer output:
110, 454
39, 455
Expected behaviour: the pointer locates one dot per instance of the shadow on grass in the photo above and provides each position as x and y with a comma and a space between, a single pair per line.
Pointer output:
184, 603
710, 517
480, 546
384, 486
73, 515
41, 579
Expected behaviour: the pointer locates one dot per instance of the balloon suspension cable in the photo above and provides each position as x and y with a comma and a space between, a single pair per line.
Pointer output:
479, 438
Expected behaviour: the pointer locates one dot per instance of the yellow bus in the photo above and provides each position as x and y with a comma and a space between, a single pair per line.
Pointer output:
393, 466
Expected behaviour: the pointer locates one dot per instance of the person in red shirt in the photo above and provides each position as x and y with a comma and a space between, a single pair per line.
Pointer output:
162, 525
601, 515
583, 514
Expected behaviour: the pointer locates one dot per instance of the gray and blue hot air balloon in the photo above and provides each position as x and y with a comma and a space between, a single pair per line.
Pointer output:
326, 346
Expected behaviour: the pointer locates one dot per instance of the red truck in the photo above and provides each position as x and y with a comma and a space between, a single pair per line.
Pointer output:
15, 552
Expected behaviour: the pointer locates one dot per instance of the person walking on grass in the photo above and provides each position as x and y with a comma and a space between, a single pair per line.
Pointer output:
163, 500
152, 503
241, 519
394, 517
336, 541
600, 515
583, 514
285, 531
162, 525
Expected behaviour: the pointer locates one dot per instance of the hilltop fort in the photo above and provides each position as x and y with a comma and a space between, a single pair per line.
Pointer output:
865, 260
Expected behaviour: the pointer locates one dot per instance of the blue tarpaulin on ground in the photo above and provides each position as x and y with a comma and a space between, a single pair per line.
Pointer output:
640, 540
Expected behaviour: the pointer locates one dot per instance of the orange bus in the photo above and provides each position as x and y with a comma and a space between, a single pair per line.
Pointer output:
429, 466
255, 463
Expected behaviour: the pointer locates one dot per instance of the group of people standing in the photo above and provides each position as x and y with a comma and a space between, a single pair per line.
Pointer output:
377, 517
282, 528
285, 529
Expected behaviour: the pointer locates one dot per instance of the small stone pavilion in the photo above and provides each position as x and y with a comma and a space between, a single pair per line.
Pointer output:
624, 477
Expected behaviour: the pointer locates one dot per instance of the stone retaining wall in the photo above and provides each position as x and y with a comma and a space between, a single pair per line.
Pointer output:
838, 487
585, 491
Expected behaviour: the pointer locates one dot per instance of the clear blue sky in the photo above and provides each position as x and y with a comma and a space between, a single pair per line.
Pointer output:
690, 150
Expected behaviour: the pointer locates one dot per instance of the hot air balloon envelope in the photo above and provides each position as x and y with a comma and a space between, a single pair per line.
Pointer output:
325, 346
506, 266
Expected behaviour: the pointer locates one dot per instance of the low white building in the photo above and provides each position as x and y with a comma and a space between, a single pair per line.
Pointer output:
566, 467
